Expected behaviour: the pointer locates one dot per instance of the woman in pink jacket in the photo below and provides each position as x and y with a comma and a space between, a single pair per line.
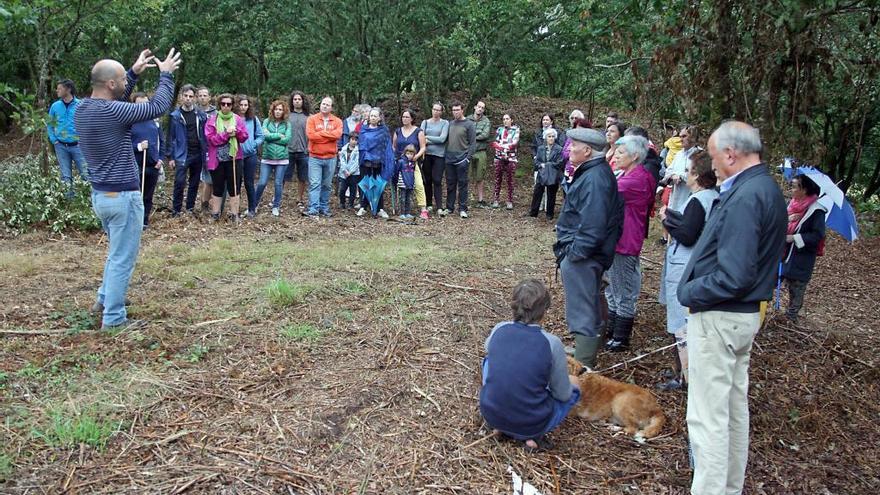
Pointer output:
224, 132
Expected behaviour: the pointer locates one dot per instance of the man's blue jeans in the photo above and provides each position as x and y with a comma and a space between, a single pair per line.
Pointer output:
122, 218
320, 184
66, 153
265, 170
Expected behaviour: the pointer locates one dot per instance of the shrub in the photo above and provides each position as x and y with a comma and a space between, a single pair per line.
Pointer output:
282, 293
29, 200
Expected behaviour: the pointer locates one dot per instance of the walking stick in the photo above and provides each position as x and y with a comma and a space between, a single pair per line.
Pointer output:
144, 170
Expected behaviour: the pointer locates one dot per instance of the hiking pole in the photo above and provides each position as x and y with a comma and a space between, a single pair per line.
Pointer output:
144, 170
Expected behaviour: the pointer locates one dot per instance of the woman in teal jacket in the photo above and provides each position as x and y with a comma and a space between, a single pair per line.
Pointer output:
276, 134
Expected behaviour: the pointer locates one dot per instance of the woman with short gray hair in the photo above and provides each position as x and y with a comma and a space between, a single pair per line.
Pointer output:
548, 173
636, 186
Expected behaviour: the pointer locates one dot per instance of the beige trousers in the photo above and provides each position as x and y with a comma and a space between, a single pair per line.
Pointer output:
719, 344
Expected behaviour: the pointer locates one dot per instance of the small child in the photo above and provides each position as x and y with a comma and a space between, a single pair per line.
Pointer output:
349, 171
406, 181
527, 391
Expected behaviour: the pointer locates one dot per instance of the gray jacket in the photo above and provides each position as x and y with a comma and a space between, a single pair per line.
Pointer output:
735, 262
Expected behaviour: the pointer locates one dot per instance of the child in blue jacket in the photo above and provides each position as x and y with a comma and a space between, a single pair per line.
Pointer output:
527, 391
405, 171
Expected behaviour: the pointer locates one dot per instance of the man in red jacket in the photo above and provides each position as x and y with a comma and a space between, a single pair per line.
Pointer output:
323, 130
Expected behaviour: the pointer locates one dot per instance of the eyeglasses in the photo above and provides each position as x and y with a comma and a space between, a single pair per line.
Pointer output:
225, 103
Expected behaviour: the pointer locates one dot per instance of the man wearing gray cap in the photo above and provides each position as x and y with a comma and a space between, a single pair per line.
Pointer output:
587, 232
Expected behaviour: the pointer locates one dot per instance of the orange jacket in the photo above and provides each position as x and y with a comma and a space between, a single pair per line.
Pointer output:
323, 139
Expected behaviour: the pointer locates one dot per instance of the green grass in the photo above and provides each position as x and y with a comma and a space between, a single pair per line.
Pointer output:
282, 293
225, 257
5, 467
300, 332
194, 353
66, 430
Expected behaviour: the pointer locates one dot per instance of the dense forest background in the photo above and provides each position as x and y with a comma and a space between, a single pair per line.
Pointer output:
806, 72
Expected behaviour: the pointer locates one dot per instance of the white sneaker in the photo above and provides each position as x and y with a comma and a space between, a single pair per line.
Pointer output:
509, 206
361, 212
463, 214
383, 215
494, 204
430, 209
276, 212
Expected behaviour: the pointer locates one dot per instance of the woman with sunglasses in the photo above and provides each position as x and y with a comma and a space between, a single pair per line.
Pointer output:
224, 132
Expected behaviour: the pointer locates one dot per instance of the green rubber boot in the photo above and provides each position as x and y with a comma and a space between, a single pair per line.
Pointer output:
586, 349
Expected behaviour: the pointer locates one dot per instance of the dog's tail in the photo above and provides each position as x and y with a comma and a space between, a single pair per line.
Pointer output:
655, 424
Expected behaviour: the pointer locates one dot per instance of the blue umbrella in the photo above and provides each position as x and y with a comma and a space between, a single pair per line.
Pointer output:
372, 188
840, 216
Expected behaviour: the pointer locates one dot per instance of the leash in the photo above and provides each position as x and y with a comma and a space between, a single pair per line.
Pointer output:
641, 356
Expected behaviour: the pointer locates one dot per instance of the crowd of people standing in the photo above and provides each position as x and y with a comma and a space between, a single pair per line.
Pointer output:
727, 224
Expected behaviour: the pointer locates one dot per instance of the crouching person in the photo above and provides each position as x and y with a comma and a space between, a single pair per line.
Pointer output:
526, 390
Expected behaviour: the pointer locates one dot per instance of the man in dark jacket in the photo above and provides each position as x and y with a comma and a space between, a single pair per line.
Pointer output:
186, 149
731, 271
587, 231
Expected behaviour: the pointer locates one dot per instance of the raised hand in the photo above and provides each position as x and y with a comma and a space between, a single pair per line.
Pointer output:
143, 61
171, 62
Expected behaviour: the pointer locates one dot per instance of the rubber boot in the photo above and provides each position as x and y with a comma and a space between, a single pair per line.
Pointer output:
234, 203
622, 332
608, 328
586, 349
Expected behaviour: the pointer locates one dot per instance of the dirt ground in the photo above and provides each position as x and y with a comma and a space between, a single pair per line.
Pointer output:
365, 379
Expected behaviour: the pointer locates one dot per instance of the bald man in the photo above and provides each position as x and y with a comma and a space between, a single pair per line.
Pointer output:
104, 124
731, 270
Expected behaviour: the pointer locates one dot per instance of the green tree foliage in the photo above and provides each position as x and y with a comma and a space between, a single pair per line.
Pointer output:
804, 71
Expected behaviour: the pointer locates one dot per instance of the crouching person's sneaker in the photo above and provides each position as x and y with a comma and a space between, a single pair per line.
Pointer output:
124, 326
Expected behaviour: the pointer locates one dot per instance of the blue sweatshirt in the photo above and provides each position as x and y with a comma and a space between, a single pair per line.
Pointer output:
147, 131
60, 126
105, 134
255, 137
177, 139
523, 372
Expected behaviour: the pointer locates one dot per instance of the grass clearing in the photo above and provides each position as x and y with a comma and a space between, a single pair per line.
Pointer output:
303, 332
282, 293
66, 430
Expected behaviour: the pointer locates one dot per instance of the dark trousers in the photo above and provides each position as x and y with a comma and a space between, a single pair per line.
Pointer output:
404, 200
796, 291
193, 168
538, 193
457, 181
151, 177
349, 184
372, 172
249, 172
222, 180
432, 178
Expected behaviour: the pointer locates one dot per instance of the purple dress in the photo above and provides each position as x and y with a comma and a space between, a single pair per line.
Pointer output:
403, 142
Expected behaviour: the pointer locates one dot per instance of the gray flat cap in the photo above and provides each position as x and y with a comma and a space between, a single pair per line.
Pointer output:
589, 136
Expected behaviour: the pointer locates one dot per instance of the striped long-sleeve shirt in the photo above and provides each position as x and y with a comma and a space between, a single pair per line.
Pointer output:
104, 128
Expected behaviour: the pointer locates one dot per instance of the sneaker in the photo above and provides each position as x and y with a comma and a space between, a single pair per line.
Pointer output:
175, 214
326, 214
276, 212
232, 217
309, 213
494, 204
98, 308
481, 203
251, 214
300, 205
402, 217
424, 215
383, 215
463, 214
430, 209
443, 212
215, 217
127, 324
509, 206
361, 212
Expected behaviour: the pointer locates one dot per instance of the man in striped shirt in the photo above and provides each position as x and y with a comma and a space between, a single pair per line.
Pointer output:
104, 122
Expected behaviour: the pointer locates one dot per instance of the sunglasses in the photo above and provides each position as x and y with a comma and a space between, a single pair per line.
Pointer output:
225, 103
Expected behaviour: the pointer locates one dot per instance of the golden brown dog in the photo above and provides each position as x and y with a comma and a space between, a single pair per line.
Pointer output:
628, 405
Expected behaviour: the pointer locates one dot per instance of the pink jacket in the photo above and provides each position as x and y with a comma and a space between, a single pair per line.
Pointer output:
216, 139
637, 190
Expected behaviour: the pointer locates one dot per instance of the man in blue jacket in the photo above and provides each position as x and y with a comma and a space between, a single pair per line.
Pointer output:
731, 271
587, 232
186, 149
62, 133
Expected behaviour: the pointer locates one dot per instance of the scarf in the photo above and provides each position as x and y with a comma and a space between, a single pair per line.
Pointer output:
223, 123
796, 210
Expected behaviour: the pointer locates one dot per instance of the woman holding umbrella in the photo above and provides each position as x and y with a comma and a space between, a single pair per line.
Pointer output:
805, 239
224, 131
376, 160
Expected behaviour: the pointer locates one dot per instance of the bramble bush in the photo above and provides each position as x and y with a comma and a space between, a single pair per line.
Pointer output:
30, 200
